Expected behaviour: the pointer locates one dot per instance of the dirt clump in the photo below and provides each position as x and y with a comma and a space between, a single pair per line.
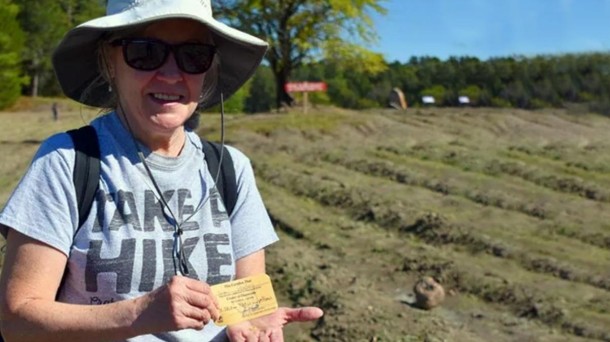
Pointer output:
428, 293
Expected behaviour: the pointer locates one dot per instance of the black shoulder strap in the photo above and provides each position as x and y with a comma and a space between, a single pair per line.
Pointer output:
86, 169
227, 185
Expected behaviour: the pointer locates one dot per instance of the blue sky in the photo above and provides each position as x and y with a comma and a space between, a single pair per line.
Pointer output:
491, 28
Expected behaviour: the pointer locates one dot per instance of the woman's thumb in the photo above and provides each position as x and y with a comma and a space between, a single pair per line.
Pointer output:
307, 313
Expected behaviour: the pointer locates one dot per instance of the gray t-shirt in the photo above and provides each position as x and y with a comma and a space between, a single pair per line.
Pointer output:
125, 247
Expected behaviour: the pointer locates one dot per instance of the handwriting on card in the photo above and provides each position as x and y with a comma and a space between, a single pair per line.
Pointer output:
245, 299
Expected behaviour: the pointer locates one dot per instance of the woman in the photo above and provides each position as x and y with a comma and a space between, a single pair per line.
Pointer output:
157, 235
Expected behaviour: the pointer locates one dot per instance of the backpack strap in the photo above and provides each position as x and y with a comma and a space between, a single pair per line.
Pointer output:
86, 169
226, 183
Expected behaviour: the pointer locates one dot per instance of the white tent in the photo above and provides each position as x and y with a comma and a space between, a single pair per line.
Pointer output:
464, 100
427, 99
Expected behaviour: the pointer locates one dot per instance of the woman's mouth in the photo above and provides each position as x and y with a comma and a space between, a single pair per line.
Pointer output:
166, 97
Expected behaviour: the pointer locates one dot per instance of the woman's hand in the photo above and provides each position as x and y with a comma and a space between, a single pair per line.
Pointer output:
183, 303
269, 328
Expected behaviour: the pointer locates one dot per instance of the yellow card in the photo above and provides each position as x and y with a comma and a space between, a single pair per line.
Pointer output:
245, 299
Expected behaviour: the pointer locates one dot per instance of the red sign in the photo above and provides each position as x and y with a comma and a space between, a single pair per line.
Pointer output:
304, 86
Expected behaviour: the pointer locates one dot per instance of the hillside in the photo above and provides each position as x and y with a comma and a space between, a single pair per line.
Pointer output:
508, 209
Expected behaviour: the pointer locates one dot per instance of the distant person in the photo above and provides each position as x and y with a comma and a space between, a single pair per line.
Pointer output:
157, 235
55, 111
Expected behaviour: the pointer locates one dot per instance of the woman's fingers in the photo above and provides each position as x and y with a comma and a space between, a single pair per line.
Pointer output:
182, 303
201, 315
252, 335
241, 336
195, 294
204, 302
264, 336
276, 336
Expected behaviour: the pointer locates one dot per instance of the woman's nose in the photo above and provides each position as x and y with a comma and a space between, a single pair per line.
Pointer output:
169, 71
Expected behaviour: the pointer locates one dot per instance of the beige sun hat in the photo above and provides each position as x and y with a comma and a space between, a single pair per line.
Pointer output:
76, 63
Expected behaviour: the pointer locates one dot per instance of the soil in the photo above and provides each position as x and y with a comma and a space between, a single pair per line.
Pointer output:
364, 210
508, 210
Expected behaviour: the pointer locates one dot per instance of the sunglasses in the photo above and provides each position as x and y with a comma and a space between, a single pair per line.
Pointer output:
148, 54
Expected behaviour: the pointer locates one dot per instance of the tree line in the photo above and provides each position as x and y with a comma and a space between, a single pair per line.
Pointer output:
516, 81
306, 45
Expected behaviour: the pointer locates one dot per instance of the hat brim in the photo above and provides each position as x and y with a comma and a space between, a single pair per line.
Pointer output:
76, 62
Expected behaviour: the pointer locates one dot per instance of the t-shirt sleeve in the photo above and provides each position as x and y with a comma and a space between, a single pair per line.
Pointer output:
43, 205
251, 226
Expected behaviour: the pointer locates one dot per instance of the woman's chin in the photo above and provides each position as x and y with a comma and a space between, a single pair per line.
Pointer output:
169, 120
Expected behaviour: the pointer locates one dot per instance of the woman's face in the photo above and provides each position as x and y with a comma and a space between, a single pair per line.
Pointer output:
158, 102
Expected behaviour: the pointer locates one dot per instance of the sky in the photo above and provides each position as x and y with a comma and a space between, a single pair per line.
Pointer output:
491, 28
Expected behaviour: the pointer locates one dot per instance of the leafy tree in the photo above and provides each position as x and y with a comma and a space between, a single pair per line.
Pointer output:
79, 11
473, 71
450, 75
405, 77
379, 93
473, 93
427, 71
502, 71
438, 92
45, 22
516, 94
500, 102
565, 87
319, 97
341, 93
261, 98
299, 30
354, 58
233, 105
546, 92
236, 103
12, 41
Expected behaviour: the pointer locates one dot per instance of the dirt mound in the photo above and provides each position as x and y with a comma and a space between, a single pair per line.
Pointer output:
428, 293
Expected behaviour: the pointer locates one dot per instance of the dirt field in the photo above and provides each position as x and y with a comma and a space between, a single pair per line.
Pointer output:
508, 210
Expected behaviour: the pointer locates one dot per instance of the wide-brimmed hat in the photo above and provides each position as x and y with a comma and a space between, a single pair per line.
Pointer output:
76, 61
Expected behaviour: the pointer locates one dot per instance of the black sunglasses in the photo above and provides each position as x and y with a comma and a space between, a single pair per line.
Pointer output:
149, 54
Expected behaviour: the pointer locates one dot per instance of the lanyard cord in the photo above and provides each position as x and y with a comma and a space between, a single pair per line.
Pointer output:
177, 250
178, 244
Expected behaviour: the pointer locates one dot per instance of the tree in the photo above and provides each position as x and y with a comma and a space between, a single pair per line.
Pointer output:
236, 103
438, 92
473, 93
297, 30
261, 91
428, 71
12, 40
45, 22
79, 11
516, 94
405, 77
341, 93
